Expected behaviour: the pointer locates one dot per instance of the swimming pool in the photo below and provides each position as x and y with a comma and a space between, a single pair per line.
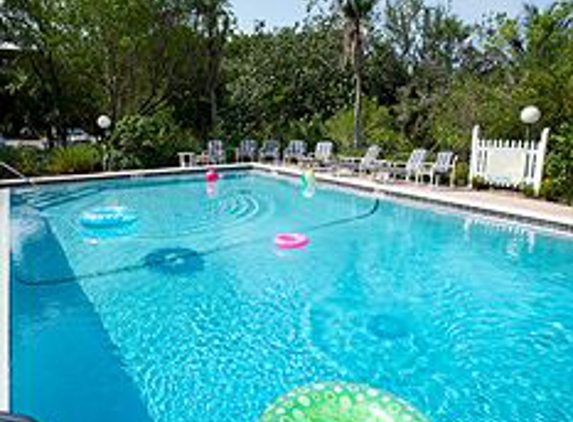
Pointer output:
191, 313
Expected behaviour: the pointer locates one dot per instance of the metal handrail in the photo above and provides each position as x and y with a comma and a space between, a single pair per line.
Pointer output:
18, 174
12, 417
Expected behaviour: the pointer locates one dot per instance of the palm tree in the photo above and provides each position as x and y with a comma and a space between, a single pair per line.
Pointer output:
356, 14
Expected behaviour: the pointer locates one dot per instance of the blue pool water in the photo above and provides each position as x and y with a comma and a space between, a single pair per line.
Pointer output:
192, 315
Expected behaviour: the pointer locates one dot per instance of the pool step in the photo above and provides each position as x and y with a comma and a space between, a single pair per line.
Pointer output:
46, 199
12, 417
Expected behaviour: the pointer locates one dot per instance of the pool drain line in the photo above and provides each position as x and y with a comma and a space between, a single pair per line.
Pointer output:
170, 260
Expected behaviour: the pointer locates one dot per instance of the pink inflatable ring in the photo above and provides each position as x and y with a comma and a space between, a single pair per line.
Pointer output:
291, 241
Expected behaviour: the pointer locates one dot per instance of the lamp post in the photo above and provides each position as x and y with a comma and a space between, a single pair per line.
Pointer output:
530, 115
104, 123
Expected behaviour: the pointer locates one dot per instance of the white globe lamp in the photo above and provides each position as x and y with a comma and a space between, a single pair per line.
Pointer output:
530, 115
104, 122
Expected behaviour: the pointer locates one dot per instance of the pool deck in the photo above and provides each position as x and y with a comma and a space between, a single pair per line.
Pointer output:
4, 300
500, 204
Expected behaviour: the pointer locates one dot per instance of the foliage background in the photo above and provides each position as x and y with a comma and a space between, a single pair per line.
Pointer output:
173, 73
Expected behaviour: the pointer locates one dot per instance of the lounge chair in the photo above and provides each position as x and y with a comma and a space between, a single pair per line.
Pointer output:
295, 151
216, 152
368, 163
271, 149
411, 168
247, 150
322, 156
445, 165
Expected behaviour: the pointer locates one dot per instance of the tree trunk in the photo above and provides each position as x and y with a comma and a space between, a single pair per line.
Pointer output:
214, 111
357, 52
357, 110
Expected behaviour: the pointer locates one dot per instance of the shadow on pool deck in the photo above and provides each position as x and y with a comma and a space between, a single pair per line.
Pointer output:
64, 366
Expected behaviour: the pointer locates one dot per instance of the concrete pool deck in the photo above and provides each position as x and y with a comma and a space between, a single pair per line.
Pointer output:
502, 204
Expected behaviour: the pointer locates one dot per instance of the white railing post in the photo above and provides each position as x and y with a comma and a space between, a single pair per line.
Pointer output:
474, 155
540, 160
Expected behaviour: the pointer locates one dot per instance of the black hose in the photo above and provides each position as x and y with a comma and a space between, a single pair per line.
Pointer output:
193, 254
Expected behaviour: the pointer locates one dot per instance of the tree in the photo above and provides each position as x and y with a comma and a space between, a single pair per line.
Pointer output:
133, 50
81, 58
357, 15
214, 24
283, 78
51, 93
433, 46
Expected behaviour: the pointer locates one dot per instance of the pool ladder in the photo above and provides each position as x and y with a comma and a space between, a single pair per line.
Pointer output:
18, 174
12, 417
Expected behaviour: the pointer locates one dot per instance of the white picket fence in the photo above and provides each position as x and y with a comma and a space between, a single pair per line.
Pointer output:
508, 163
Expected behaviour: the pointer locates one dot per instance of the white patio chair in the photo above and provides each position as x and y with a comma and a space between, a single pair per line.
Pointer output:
216, 152
411, 168
247, 150
295, 151
445, 165
368, 163
322, 156
271, 149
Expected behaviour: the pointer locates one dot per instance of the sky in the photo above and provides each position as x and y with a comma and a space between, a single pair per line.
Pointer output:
286, 12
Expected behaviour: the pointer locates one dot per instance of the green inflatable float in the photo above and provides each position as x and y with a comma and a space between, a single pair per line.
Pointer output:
308, 182
341, 402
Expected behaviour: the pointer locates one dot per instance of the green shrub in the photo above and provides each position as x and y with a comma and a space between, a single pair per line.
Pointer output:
311, 129
29, 161
147, 142
548, 190
32, 161
461, 176
479, 183
558, 185
528, 190
74, 159
377, 128
9, 156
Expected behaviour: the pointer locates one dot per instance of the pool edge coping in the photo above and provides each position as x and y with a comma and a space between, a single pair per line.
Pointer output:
124, 174
534, 219
5, 300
